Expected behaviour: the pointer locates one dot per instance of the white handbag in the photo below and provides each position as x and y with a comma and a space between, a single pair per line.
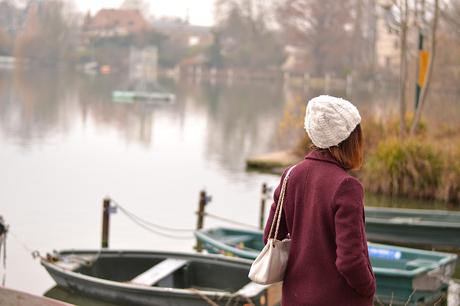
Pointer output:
270, 264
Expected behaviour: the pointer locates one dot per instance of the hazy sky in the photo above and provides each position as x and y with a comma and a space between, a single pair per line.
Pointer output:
200, 11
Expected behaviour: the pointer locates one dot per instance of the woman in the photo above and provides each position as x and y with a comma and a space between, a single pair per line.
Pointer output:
323, 213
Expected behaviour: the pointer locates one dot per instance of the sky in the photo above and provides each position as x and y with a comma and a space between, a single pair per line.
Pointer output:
200, 11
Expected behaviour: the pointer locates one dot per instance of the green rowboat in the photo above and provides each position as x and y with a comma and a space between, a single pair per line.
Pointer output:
413, 226
404, 276
154, 278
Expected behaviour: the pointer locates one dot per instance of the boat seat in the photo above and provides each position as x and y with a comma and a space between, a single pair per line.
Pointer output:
159, 271
236, 239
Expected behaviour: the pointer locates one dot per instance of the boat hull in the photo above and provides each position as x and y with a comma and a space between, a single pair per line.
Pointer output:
404, 276
123, 292
413, 226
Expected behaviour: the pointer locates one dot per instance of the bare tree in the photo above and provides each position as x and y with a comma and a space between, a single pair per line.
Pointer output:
404, 25
323, 28
426, 85
49, 33
451, 15
243, 31
362, 51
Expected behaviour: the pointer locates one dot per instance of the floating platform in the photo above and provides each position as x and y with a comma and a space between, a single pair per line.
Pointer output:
274, 162
142, 96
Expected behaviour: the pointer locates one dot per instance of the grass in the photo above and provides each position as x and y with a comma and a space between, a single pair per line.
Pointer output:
425, 166
412, 168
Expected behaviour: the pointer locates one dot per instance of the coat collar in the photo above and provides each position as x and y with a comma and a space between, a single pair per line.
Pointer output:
324, 156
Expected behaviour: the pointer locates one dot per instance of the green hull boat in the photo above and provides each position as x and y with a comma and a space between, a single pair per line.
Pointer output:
154, 278
413, 226
404, 276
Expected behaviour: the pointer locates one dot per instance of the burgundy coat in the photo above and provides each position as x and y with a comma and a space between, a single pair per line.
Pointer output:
324, 215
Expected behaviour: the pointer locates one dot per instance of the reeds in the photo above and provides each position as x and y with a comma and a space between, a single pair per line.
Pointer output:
425, 166
412, 168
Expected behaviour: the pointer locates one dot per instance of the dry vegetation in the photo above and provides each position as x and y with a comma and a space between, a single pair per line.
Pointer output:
425, 166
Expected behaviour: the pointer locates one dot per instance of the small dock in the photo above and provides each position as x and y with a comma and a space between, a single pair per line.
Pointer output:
10, 297
274, 162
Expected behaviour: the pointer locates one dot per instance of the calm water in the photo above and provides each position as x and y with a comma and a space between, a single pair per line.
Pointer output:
65, 145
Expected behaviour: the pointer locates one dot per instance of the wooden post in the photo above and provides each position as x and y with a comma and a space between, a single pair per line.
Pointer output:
105, 222
262, 206
200, 219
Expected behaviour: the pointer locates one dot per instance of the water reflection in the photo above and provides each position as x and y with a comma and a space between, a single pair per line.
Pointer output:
62, 294
39, 105
30, 107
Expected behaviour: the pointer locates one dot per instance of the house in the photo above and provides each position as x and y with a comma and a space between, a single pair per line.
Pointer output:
388, 42
182, 32
114, 22
296, 63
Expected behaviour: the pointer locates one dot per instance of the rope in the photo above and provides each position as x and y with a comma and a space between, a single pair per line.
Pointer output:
148, 225
229, 220
238, 298
235, 298
155, 228
204, 297
410, 297
23, 245
35, 253
161, 227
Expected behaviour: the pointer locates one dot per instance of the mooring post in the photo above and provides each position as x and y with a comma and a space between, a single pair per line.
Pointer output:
262, 206
200, 220
105, 222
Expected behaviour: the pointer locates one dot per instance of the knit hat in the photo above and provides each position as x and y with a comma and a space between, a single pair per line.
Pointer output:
330, 120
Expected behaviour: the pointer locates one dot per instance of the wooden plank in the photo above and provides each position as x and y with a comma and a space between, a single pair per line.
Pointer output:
251, 289
236, 239
159, 271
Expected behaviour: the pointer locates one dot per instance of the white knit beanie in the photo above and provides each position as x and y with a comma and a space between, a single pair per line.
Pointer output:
330, 120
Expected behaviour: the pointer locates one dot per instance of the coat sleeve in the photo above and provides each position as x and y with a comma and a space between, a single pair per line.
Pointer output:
282, 232
352, 260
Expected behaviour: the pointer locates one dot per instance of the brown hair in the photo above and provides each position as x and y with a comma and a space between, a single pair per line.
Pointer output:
350, 152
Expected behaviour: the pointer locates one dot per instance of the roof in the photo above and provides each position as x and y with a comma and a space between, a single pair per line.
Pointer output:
130, 20
169, 25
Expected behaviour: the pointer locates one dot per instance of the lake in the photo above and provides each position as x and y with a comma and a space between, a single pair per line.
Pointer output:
65, 146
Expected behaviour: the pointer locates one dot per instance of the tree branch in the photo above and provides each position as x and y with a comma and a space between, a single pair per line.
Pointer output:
426, 85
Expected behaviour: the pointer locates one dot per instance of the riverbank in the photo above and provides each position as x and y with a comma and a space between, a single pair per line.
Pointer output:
273, 162
424, 166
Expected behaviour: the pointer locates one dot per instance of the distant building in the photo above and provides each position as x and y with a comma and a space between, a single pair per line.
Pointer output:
190, 64
182, 32
143, 63
388, 42
296, 61
11, 19
114, 22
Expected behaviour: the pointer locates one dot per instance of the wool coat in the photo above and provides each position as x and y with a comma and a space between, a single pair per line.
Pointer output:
323, 214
